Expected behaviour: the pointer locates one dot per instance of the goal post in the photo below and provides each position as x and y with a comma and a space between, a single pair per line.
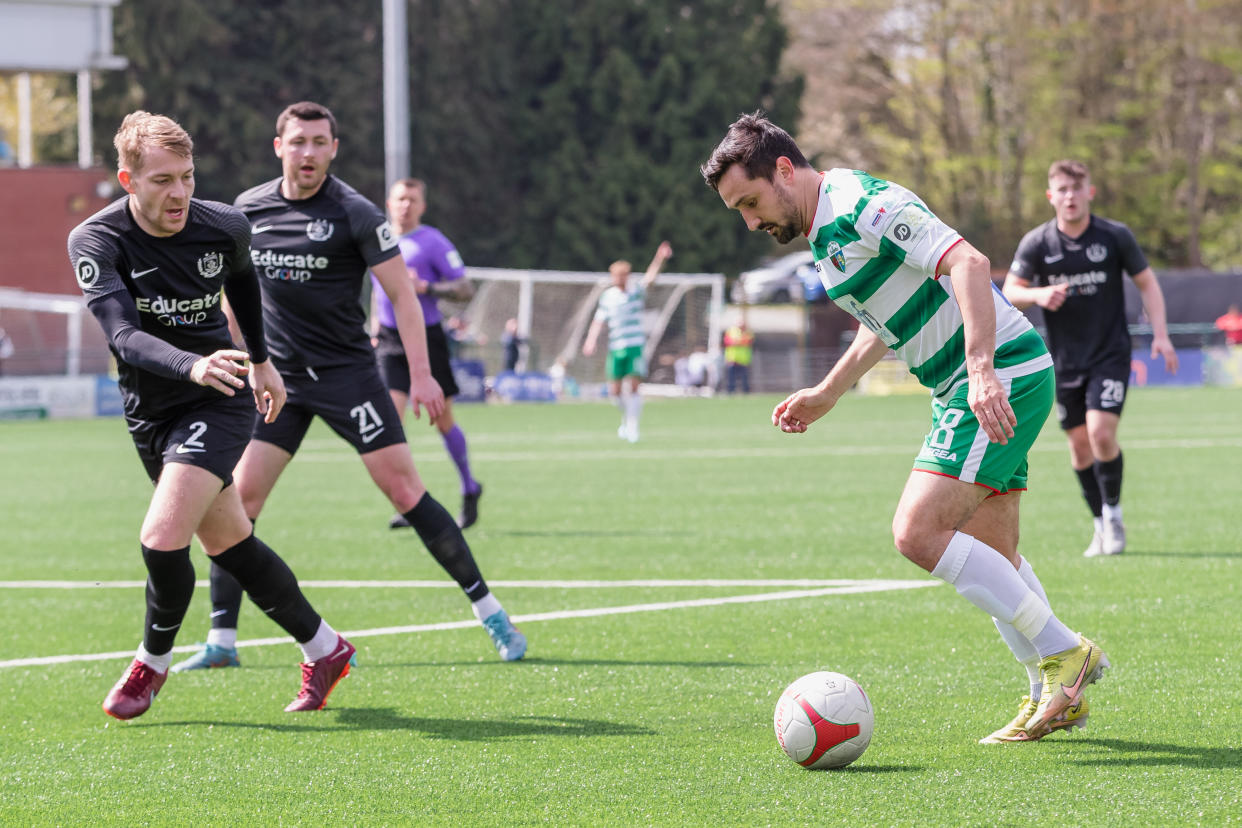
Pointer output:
554, 309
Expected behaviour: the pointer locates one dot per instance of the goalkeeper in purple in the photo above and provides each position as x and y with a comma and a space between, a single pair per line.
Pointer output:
313, 239
436, 272
918, 288
153, 267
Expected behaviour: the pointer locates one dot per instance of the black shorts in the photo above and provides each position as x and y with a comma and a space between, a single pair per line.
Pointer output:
209, 435
351, 399
1101, 388
396, 368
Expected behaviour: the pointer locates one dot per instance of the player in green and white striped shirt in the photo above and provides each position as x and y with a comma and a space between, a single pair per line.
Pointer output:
621, 309
917, 288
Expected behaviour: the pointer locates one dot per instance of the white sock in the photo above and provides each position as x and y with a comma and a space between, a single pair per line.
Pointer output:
985, 578
1112, 512
486, 606
621, 401
1021, 647
1099, 525
158, 663
321, 645
222, 637
634, 408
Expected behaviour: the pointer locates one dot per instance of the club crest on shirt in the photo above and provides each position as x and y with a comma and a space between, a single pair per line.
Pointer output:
836, 255
210, 264
1097, 252
319, 230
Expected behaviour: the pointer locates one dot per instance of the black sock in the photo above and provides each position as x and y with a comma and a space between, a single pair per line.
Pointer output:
170, 586
445, 542
1109, 474
226, 599
272, 587
1086, 479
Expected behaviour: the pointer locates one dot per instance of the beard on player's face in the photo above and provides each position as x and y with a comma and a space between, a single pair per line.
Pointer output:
784, 232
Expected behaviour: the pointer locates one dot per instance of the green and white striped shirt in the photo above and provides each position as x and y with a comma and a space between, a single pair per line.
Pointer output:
877, 247
623, 311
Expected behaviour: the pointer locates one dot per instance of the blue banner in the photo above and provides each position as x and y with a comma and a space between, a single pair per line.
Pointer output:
529, 387
1147, 371
469, 375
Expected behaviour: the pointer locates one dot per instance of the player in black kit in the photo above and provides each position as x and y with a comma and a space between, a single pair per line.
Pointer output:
313, 239
1072, 267
153, 266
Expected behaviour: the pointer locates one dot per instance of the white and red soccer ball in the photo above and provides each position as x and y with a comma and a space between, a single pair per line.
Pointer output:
823, 720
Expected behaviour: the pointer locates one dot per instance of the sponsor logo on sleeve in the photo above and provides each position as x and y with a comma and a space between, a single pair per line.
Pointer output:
87, 272
909, 225
387, 241
454, 259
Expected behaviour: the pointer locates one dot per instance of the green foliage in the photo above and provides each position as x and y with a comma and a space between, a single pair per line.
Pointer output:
972, 108
551, 134
581, 139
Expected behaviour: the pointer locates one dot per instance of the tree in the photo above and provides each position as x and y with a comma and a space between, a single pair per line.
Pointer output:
581, 134
970, 108
552, 134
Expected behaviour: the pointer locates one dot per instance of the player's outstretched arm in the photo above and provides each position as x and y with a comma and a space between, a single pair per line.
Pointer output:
795, 413
424, 390
663, 253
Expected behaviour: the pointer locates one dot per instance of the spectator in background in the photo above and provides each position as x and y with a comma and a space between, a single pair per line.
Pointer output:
6, 151
1231, 324
1072, 267
512, 343
739, 348
6, 348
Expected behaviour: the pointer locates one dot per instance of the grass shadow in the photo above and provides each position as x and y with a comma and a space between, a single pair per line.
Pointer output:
459, 730
1130, 754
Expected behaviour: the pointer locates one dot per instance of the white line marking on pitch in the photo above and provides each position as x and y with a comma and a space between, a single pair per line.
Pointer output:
448, 584
842, 588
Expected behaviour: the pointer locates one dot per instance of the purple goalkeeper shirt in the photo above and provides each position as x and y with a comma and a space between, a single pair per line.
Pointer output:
434, 258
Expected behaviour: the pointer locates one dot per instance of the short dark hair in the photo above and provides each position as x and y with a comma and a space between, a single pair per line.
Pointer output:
410, 184
305, 111
1074, 169
754, 142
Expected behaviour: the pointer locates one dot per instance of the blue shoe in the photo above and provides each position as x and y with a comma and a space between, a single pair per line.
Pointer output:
211, 655
509, 641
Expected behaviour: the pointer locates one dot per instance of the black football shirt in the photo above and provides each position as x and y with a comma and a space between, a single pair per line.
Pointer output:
1090, 327
175, 282
311, 256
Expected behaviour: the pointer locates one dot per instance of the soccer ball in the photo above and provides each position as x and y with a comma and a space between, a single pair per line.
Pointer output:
823, 720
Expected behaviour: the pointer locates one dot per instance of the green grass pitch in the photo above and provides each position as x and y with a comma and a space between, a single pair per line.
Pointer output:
660, 716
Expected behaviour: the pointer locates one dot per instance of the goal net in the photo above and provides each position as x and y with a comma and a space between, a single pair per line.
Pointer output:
553, 310
49, 334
